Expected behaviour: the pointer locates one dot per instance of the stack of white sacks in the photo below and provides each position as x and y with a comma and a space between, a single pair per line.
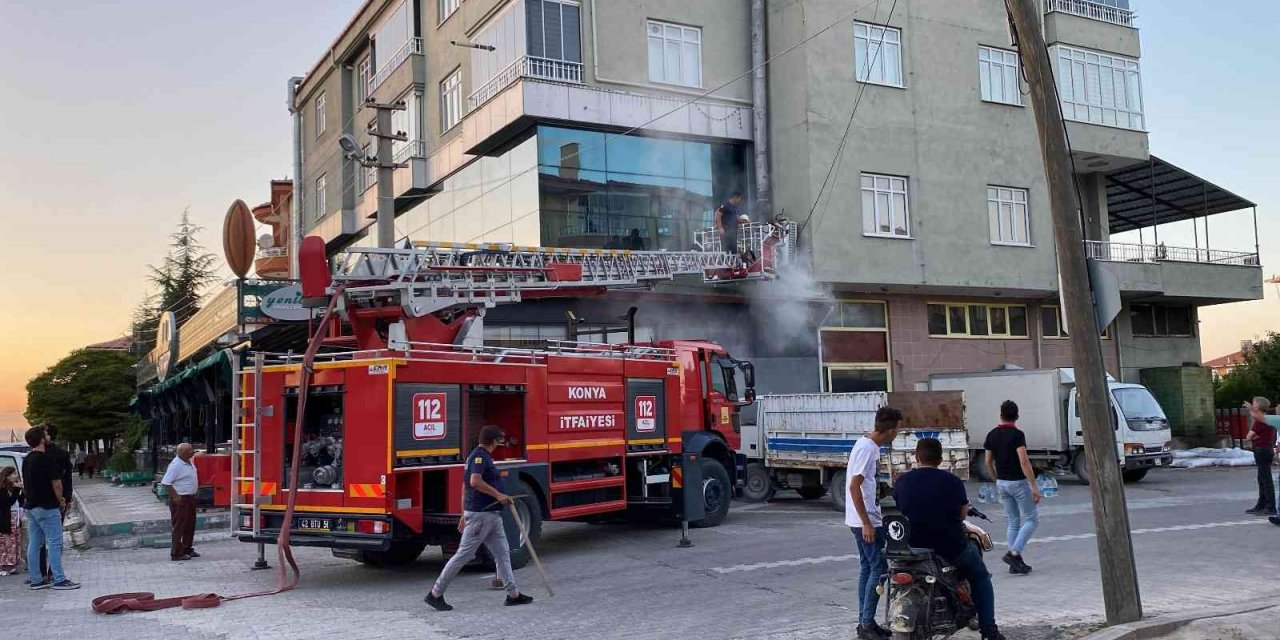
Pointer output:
1204, 457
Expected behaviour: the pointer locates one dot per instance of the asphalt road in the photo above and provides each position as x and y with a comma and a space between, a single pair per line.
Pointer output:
782, 571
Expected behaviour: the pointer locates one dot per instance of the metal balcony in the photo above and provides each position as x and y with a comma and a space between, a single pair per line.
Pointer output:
1156, 253
411, 47
1094, 11
526, 67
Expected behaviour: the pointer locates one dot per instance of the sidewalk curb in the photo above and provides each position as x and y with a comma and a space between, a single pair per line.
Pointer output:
1157, 627
157, 541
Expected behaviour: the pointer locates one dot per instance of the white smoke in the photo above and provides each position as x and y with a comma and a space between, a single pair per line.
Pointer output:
789, 309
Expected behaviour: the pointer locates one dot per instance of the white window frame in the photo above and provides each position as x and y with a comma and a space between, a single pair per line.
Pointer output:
870, 43
1006, 206
684, 38
370, 172
1099, 88
998, 69
451, 100
887, 195
447, 8
322, 182
364, 73
321, 123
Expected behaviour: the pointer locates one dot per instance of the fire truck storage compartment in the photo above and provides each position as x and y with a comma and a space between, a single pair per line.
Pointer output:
646, 414
427, 424
501, 405
582, 482
323, 433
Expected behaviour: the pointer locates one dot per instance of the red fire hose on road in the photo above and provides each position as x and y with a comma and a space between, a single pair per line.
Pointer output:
288, 577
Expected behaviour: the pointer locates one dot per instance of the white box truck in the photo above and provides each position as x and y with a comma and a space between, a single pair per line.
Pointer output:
1051, 419
801, 441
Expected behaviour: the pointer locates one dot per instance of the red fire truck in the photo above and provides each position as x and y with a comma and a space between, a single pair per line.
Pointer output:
592, 431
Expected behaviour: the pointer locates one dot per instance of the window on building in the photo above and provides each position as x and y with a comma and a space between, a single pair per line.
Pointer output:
553, 30
451, 100
1007, 210
877, 54
447, 7
998, 76
675, 54
884, 206
364, 71
962, 320
320, 115
408, 121
1099, 88
1052, 326
321, 205
855, 347
1160, 321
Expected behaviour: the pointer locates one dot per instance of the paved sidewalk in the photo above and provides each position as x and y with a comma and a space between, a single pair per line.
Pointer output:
129, 517
1246, 620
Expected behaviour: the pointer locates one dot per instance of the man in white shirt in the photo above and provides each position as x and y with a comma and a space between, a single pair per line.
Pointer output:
862, 514
181, 482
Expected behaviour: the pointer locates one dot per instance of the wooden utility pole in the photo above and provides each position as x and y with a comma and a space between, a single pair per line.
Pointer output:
1110, 514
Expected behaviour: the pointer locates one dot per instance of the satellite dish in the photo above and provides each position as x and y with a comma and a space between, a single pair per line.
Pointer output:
265, 241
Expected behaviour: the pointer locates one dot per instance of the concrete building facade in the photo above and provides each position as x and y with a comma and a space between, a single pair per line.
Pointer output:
901, 144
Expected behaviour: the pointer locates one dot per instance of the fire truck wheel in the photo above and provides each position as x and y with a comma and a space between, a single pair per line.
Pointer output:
759, 486
531, 514
401, 552
716, 493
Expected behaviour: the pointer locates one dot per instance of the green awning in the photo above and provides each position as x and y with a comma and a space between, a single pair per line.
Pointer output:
211, 368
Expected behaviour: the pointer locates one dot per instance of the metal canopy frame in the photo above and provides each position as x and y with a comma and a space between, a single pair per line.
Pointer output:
1157, 192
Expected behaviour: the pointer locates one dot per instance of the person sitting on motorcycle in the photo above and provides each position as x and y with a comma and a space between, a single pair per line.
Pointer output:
935, 503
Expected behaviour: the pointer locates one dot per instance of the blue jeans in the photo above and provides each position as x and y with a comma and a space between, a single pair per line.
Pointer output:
1019, 510
871, 571
46, 530
971, 566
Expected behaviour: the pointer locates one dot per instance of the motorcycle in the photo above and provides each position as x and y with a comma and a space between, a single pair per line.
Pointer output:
927, 597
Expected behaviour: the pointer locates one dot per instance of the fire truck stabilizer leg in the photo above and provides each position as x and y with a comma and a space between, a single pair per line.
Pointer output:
261, 562
684, 535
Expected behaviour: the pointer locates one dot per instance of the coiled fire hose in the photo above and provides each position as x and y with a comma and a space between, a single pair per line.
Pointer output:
288, 567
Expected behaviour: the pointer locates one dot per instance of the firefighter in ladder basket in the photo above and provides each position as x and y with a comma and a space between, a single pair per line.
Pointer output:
481, 523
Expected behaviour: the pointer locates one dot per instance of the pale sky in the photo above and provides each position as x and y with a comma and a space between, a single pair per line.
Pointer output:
114, 116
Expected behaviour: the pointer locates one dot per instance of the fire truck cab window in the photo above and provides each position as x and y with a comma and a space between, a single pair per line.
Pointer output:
323, 433
726, 379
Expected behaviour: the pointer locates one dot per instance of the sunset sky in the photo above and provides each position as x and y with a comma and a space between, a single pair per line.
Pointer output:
116, 116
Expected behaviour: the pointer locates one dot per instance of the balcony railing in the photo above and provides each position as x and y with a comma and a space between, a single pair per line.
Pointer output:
1094, 11
526, 67
410, 149
413, 46
1156, 253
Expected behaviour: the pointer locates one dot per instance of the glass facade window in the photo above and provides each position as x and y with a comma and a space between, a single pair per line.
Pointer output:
601, 190
1099, 88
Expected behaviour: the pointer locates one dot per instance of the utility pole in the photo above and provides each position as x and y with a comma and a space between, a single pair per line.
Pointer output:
760, 111
1110, 514
381, 130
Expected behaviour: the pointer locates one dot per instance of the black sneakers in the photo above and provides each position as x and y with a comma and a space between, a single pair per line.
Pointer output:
66, 585
873, 631
437, 602
992, 634
518, 600
1017, 566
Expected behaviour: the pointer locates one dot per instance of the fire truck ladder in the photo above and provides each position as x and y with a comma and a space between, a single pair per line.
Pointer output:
430, 277
247, 418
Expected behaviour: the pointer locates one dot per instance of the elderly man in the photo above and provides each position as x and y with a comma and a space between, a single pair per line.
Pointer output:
180, 483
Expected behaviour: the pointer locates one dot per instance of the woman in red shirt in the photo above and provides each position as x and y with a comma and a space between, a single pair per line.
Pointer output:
1262, 437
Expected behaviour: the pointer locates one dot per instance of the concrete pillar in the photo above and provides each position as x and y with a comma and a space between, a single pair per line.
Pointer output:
1093, 199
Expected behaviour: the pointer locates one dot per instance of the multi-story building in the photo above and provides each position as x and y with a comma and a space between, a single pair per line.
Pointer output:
901, 142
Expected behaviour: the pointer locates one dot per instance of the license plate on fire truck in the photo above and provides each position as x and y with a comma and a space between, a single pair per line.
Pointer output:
312, 524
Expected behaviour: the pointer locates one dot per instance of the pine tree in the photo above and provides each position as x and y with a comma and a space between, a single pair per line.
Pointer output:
143, 326
184, 273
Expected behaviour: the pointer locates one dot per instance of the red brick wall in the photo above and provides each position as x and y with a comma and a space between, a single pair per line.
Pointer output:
915, 355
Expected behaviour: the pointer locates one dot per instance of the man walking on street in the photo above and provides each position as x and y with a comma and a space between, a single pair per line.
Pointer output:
480, 524
181, 482
862, 515
1262, 437
42, 483
1008, 463
935, 504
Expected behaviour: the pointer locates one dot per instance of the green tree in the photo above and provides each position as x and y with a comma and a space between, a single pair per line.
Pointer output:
143, 327
85, 396
183, 274
1258, 375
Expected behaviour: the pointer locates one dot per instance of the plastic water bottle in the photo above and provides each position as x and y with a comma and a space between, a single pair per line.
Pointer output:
1048, 485
987, 492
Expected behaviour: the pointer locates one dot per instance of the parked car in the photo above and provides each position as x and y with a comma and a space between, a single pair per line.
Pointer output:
12, 458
